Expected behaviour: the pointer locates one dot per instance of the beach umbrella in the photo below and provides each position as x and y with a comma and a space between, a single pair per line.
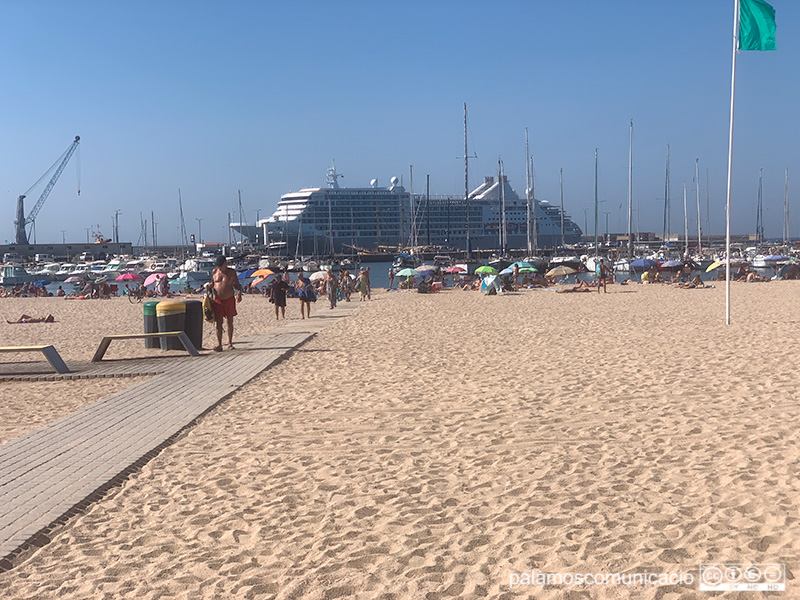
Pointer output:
129, 277
486, 270
246, 274
456, 269
262, 273
528, 270
317, 276
560, 270
152, 278
643, 263
523, 265
73, 279
425, 268
776, 257
41, 283
507, 271
407, 273
670, 264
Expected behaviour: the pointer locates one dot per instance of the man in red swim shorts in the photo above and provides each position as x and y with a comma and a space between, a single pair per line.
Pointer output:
225, 281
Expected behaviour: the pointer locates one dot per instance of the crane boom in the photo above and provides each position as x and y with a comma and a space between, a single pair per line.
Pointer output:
22, 222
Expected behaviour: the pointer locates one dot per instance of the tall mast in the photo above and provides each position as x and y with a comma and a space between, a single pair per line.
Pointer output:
685, 224
667, 216
184, 241
708, 210
529, 245
595, 203
697, 185
561, 180
759, 210
428, 206
630, 193
499, 208
413, 240
533, 200
466, 183
786, 208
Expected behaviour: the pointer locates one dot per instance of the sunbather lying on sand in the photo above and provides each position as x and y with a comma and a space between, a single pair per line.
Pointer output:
694, 283
581, 287
29, 319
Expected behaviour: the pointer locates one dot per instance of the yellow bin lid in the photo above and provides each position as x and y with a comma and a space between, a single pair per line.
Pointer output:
170, 307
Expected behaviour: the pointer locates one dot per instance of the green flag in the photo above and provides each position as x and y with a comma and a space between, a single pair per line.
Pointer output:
756, 25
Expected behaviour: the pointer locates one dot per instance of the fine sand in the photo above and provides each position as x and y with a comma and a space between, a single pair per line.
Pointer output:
432, 446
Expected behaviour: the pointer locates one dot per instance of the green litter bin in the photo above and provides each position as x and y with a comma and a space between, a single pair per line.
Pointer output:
150, 324
171, 316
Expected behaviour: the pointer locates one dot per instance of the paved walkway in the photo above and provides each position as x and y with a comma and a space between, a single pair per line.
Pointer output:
49, 474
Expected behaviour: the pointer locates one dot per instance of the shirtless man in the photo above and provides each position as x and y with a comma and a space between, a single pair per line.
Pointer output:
225, 281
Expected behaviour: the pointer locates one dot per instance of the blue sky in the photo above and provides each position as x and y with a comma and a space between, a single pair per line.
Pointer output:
213, 97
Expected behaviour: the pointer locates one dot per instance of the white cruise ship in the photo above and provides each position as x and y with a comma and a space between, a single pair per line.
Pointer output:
320, 221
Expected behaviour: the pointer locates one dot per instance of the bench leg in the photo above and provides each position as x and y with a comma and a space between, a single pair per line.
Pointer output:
54, 358
101, 349
187, 343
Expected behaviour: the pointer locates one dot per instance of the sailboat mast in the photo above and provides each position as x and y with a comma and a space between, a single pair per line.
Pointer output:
697, 185
759, 210
184, 241
466, 184
708, 210
630, 193
413, 240
667, 216
786, 208
685, 225
533, 204
529, 245
595, 203
428, 206
561, 180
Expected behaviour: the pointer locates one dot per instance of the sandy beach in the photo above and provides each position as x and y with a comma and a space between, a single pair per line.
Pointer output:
437, 446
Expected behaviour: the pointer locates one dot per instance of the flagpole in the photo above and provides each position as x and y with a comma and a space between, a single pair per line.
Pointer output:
730, 165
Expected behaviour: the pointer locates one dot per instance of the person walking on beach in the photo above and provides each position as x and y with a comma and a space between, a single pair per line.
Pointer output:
369, 285
391, 278
363, 284
331, 288
603, 273
277, 295
305, 291
224, 282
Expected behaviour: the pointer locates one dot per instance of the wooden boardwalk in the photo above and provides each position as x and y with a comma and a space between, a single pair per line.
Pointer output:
49, 474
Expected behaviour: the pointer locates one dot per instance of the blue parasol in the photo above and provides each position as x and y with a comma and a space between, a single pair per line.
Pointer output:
643, 263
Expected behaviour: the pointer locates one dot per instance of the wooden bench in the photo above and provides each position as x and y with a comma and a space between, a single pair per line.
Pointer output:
181, 335
50, 353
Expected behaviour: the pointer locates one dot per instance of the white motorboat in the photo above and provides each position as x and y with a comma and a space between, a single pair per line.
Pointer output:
12, 274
